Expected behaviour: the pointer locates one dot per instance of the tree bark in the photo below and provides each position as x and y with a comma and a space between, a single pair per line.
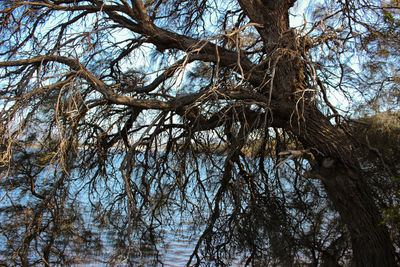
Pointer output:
347, 188
334, 163
348, 192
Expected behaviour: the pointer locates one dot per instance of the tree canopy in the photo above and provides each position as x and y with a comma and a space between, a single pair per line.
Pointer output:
253, 121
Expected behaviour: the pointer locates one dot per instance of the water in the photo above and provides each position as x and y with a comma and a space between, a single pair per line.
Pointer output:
175, 249
83, 239
96, 224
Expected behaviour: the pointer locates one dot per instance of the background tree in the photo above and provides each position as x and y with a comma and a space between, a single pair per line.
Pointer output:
214, 110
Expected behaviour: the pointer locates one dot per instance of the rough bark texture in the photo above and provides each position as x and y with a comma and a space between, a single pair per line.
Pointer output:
279, 83
348, 191
346, 187
334, 164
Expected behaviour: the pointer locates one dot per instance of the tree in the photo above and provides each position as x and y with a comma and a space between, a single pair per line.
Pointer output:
217, 109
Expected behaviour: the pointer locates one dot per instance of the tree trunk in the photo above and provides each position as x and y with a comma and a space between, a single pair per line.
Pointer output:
335, 165
349, 193
347, 188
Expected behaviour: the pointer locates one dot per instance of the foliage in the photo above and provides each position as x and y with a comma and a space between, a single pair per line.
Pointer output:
379, 138
123, 120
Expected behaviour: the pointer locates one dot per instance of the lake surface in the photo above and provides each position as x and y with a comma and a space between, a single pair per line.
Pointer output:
174, 250
96, 224
86, 240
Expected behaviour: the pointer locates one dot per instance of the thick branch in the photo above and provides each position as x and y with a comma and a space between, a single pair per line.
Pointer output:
273, 15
